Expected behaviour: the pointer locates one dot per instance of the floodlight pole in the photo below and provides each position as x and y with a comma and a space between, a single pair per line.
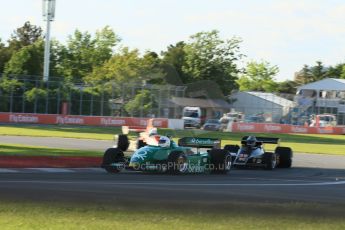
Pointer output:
48, 15
46, 53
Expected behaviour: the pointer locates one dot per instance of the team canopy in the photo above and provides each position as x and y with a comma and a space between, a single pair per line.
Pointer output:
327, 84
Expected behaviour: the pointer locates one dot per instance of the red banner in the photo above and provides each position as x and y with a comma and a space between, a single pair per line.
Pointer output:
28, 118
22, 118
282, 128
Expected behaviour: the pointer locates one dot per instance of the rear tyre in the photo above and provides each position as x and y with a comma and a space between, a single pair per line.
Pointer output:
123, 142
112, 155
270, 160
285, 156
177, 163
232, 149
220, 160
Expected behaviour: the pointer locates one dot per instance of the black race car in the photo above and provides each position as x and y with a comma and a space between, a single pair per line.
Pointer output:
252, 153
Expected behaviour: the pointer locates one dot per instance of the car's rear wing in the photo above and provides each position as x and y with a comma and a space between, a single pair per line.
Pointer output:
264, 140
198, 142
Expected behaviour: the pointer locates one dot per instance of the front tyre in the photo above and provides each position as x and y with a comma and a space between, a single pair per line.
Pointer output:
285, 156
113, 156
123, 142
220, 160
270, 160
140, 144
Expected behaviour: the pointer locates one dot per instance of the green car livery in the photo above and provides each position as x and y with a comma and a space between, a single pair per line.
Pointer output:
190, 155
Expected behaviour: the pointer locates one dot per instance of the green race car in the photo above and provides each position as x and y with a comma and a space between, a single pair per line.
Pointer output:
190, 155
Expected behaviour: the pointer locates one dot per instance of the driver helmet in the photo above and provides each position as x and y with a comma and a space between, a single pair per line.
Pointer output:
251, 141
164, 142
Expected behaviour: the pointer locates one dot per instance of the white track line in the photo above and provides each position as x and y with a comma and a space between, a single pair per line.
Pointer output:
174, 184
49, 170
2, 170
90, 169
52, 170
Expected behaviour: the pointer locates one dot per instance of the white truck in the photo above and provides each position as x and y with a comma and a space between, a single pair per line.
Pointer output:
192, 117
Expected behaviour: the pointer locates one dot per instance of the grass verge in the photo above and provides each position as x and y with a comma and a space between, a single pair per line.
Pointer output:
25, 215
82, 132
25, 150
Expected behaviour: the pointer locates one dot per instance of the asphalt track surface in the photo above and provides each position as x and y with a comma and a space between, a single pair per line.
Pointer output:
314, 179
305, 185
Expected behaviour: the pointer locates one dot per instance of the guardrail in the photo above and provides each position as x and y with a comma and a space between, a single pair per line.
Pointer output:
50, 119
283, 128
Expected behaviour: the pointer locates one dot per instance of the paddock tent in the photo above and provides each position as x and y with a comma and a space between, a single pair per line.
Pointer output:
328, 94
253, 103
327, 84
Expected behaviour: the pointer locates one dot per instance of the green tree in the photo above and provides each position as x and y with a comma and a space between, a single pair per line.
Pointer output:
152, 64
342, 75
5, 55
8, 87
174, 58
318, 72
26, 35
208, 57
259, 76
337, 71
288, 87
28, 60
303, 76
34, 94
310, 74
83, 53
126, 66
104, 43
142, 104
23, 36
55, 60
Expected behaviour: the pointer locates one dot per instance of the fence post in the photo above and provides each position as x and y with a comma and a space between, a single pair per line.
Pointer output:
159, 102
123, 93
69, 101
151, 100
35, 105
58, 99
11, 99
91, 105
133, 88
102, 101
112, 98
175, 105
23, 97
81, 101
141, 103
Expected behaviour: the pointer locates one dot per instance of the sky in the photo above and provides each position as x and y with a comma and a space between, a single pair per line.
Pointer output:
286, 33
